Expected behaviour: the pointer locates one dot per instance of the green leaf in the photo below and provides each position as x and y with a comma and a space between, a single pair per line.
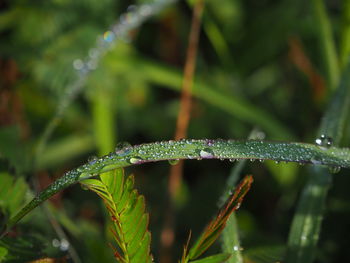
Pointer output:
22, 249
214, 259
12, 194
127, 210
3, 253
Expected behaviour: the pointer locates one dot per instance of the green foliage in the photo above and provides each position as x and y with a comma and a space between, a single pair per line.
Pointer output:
13, 194
248, 75
127, 212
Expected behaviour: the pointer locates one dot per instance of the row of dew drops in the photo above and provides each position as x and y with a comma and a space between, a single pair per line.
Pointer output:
131, 19
125, 149
120, 31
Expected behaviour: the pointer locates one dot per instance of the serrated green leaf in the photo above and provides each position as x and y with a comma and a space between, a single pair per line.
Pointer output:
127, 210
139, 236
142, 254
133, 216
129, 184
214, 259
137, 230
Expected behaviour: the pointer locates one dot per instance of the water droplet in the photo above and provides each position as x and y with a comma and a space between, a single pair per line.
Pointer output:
135, 160
93, 53
277, 162
108, 36
206, 153
64, 246
145, 10
92, 159
123, 148
324, 141
252, 160
334, 169
78, 64
261, 160
236, 248
174, 161
55, 242
232, 160
92, 64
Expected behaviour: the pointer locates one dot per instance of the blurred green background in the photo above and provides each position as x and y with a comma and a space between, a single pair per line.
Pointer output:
260, 64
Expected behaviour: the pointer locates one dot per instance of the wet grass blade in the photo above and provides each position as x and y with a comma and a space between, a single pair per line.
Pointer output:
192, 149
306, 225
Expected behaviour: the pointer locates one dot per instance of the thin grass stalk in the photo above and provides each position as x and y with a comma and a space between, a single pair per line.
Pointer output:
345, 34
327, 43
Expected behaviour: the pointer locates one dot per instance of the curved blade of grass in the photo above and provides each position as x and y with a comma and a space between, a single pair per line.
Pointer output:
127, 211
306, 225
193, 149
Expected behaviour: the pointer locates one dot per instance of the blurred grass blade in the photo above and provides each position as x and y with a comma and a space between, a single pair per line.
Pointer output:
170, 78
306, 225
327, 43
345, 34
215, 227
127, 211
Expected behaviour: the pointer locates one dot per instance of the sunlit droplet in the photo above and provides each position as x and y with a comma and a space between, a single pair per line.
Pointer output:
108, 36
135, 160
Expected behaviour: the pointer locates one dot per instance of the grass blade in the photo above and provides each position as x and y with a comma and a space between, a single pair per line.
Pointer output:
193, 149
327, 43
306, 225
